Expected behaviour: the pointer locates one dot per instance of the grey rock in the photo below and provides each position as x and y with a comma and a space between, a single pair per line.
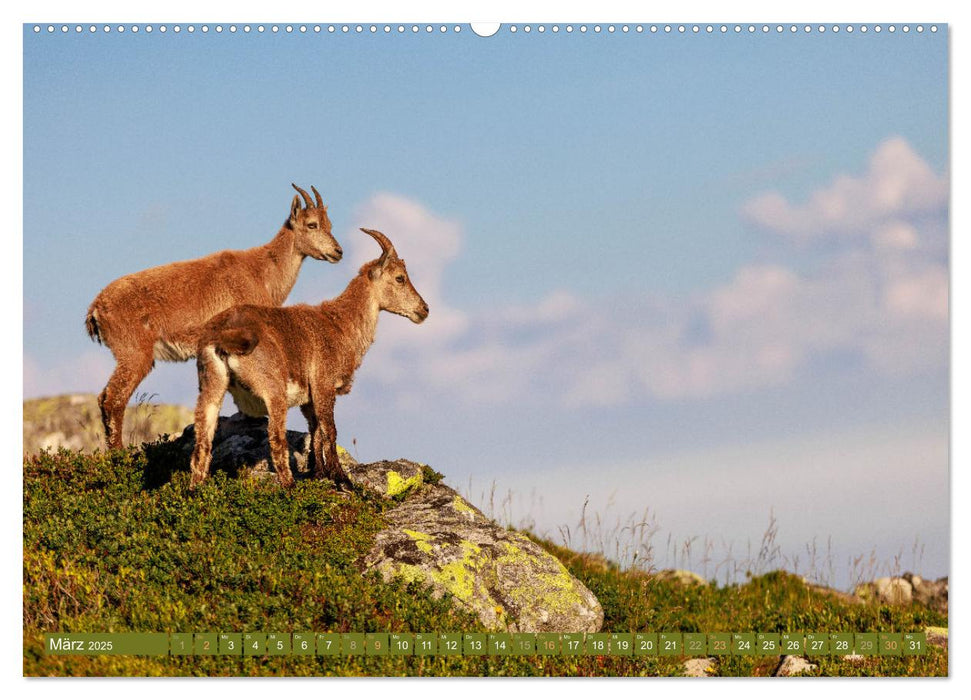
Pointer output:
509, 582
699, 668
906, 589
241, 442
681, 576
388, 479
889, 590
932, 594
793, 666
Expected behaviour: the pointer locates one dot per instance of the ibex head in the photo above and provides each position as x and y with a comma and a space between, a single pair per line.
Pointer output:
390, 277
312, 228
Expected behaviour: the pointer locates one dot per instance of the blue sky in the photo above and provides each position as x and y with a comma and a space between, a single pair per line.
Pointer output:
657, 265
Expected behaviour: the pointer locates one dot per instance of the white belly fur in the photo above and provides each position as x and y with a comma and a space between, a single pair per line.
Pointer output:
172, 352
252, 405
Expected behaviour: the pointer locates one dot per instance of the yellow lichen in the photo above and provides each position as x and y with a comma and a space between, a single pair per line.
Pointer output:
461, 506
557, 590
397, 484
422, 540
456, 578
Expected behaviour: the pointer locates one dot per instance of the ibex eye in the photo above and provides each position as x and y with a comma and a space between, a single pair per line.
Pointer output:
400, 279
312, 224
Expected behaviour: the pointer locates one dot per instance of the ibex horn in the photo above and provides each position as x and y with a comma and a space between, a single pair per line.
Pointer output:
320, 202
383, 241
306, 197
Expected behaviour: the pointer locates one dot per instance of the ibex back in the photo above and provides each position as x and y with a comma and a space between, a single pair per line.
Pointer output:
155, 314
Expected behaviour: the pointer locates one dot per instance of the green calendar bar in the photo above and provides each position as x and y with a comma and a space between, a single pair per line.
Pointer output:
792, 643
474, 644
329, 644
768, 644
524, 644
890, 644
867, 644
180, 644
205, 644
695, 643
720, 643
598, 644
689, 644
230, 644
914, 643
401, 644
426, 644
254, 644
547, 644
743, 643
450, 644
351, 644
621, 644
108, 643
571, 644
500, 644
376, 644
817, 644
304, 643
645, 644
670, 644
278, 644
841, 643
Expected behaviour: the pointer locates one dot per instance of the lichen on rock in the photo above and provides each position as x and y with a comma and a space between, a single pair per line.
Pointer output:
510, 582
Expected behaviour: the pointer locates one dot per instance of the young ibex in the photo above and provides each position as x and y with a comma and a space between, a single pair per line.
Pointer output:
271, 359
151, 315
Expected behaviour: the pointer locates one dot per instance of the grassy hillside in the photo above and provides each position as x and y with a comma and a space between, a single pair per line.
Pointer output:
74, 421
118, 543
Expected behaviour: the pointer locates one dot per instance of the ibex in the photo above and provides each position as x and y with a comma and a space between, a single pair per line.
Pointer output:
150, 315
271, 359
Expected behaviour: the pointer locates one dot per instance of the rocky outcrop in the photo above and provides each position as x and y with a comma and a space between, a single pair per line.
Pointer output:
680, 576
906, 589
699, 668
73, 421
434, 537
241, 442
508, 581
793, 666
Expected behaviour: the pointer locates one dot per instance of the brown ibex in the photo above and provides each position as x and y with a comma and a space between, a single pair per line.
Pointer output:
271, 359
151, 315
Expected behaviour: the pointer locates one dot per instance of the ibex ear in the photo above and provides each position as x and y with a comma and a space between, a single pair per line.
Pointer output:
294, 208
375, 272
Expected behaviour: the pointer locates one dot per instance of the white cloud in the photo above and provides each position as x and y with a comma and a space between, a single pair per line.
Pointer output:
883, 302
897, 184
427, 243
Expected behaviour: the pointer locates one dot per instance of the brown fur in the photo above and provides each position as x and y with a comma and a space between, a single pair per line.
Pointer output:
156, 313
297, 355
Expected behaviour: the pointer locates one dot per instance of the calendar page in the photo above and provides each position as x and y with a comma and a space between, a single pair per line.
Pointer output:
602, 349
